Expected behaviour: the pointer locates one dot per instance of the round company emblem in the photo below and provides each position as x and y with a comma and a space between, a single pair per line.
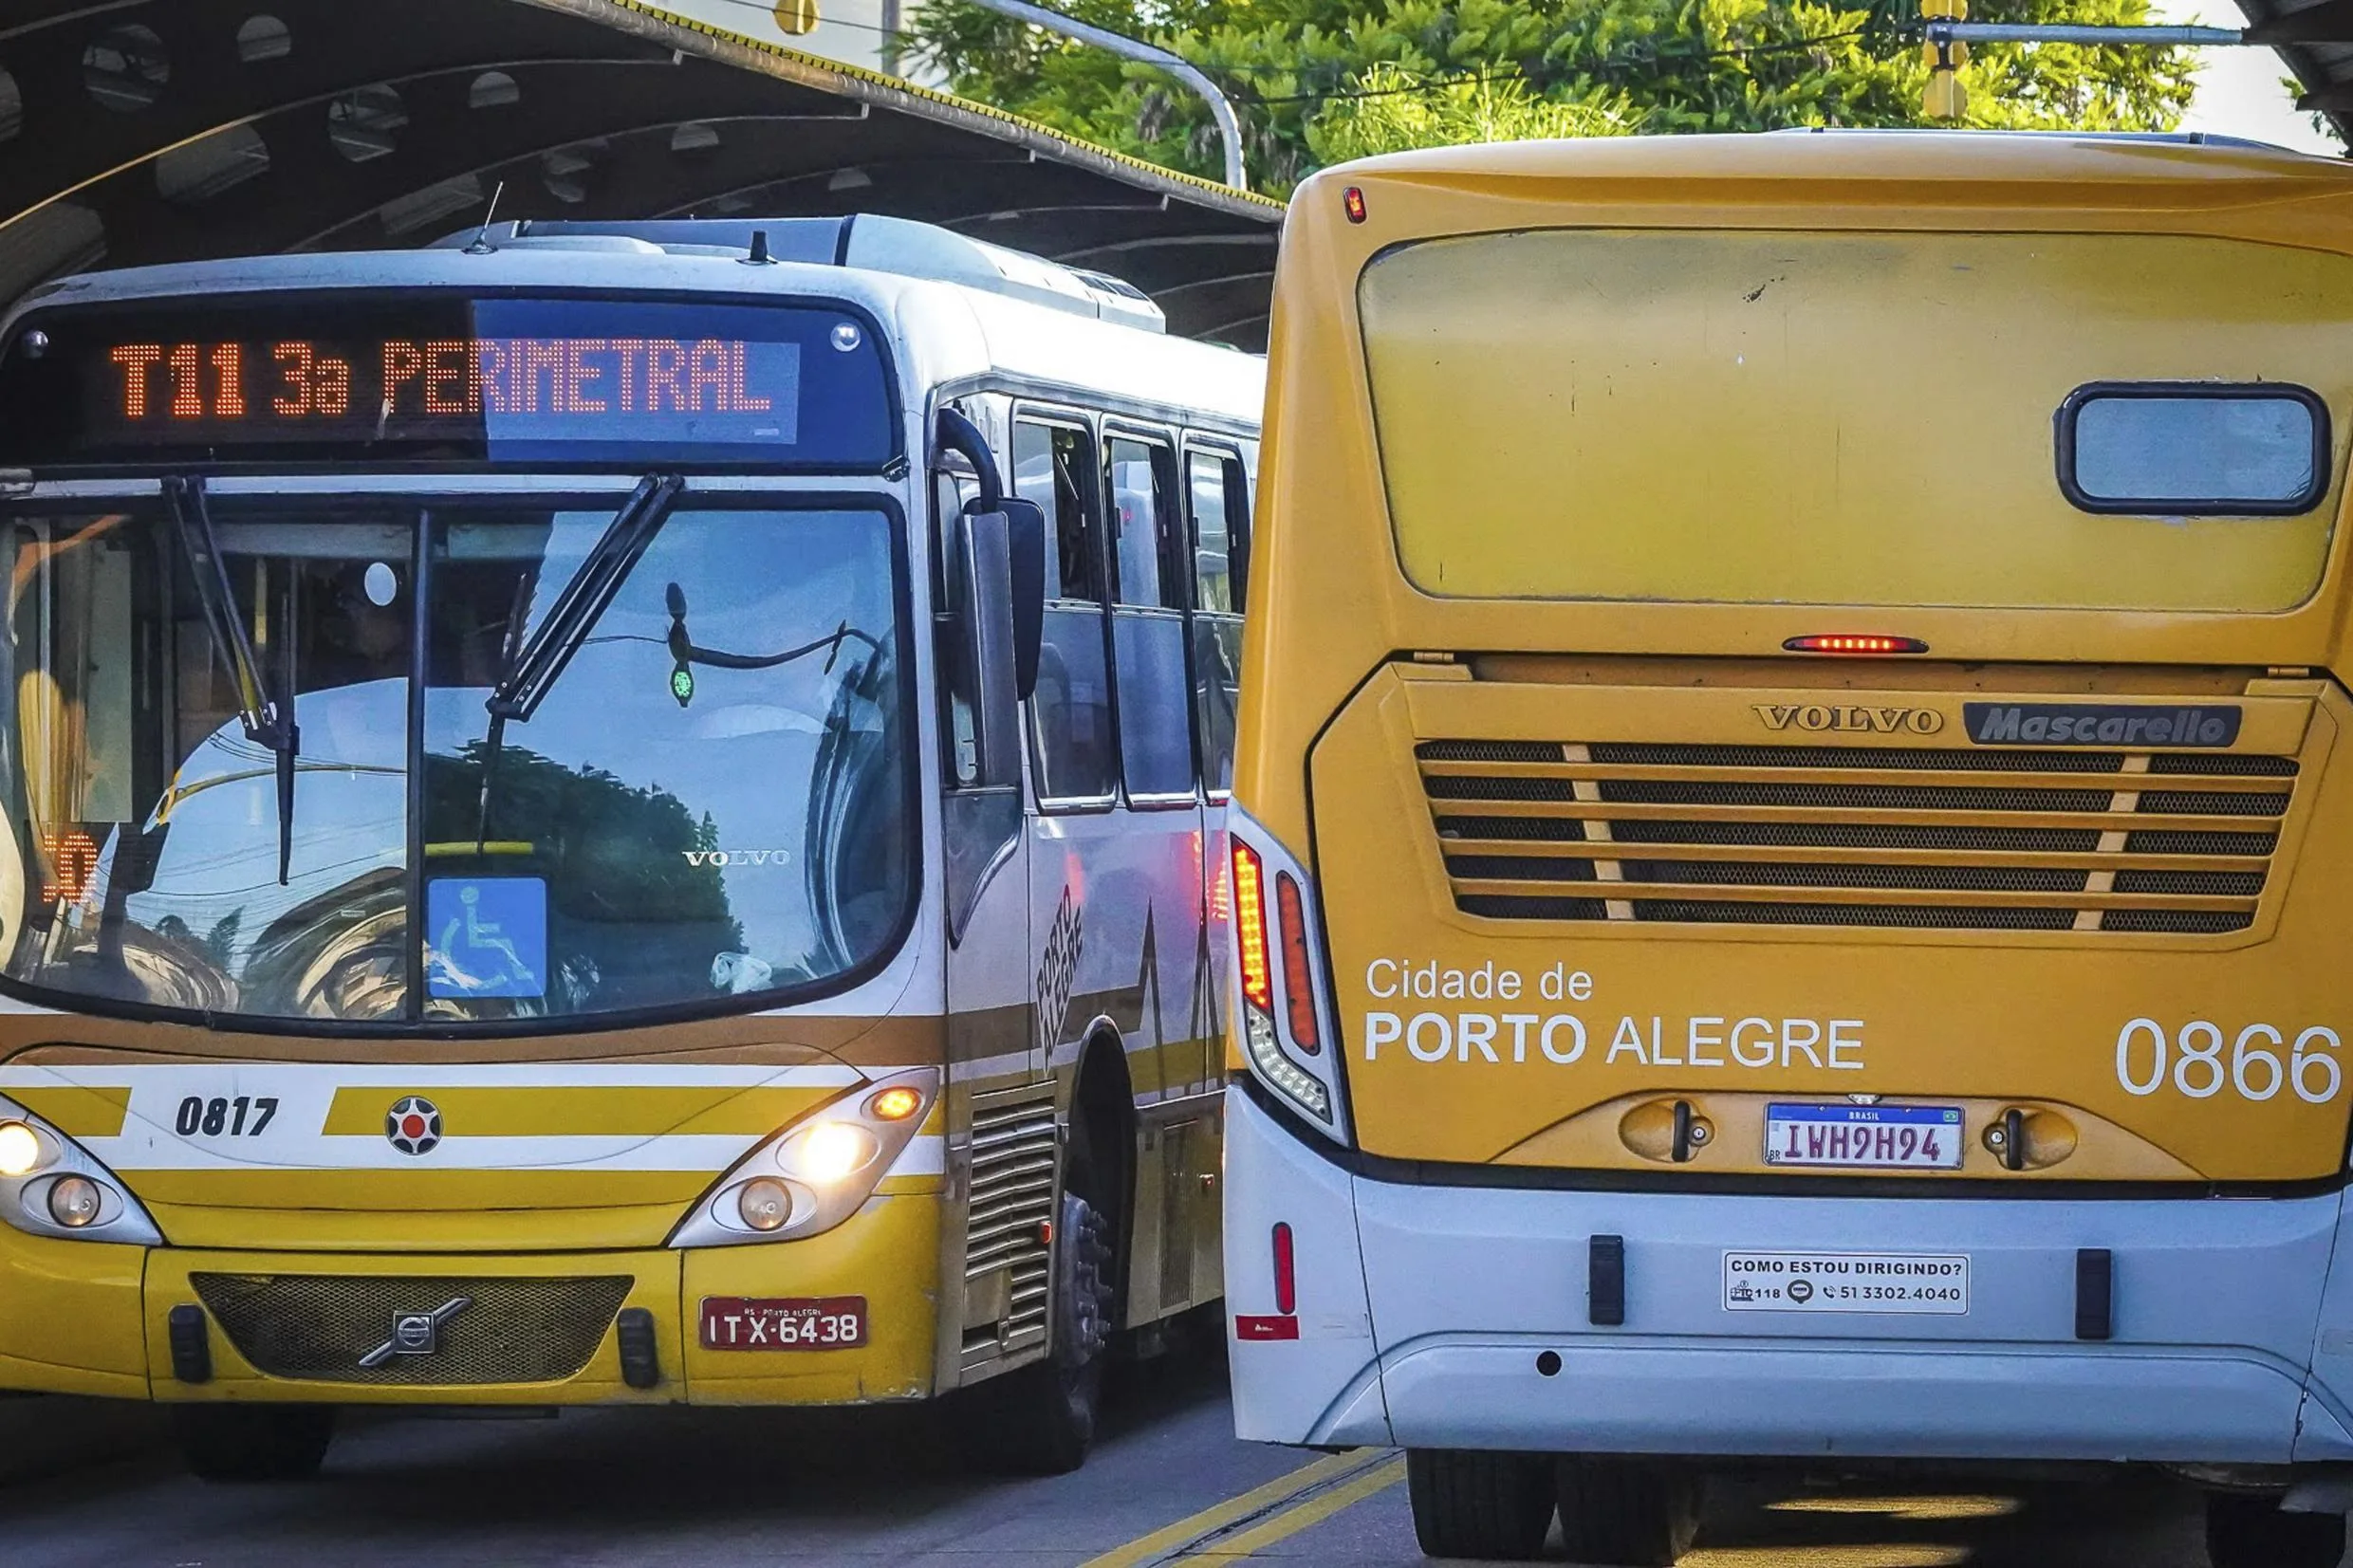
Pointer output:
1801, 1291
412, 1125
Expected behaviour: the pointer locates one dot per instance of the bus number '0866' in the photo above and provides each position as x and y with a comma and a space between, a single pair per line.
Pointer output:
242, 1118
2200, 1061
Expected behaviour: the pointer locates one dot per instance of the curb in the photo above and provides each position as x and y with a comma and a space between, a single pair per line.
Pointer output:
43, 1434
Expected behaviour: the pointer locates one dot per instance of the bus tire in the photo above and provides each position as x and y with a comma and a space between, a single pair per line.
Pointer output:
1638, 1513
1039, 1420
1468, 1503
2244, 1531
240, 1443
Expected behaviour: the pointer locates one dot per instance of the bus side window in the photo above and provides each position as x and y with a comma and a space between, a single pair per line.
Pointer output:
1148, 623
1070, 712
1218, 503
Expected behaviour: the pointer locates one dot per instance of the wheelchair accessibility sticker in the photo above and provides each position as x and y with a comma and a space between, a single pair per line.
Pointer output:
486, 937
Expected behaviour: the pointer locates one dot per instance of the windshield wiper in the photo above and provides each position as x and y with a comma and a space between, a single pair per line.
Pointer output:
266, 722
535, 667
528, 669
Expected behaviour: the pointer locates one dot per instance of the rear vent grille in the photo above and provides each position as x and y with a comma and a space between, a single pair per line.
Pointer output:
1007, 1251
1856, 836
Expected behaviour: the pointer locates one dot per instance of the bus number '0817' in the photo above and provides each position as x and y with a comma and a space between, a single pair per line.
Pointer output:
219, 1116
2199, 1061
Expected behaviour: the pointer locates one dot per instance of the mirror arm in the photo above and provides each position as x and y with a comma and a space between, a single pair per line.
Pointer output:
958, 433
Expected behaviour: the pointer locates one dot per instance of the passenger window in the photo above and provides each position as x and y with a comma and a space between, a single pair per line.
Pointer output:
1218, 504
1214, 486
1070, 710
1148, 623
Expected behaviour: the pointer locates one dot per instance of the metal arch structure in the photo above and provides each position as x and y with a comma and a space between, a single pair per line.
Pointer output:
2315, 41
138, 131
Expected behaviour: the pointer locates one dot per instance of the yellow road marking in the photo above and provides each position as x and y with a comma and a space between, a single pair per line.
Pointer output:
1300, 1514
1231, 1511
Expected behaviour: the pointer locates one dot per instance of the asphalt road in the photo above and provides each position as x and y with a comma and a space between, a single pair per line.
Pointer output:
1168, 1485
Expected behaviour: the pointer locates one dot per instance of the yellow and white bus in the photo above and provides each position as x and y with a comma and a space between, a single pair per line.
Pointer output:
611, 814
1790, 851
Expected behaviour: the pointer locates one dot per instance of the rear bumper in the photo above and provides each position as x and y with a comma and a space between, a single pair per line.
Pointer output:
88, 1318
1422, 1313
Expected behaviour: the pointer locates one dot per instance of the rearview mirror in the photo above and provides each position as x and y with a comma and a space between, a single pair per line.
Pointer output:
983, 664
1025, 536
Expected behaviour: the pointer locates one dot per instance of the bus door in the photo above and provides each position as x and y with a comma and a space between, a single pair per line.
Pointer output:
1115, 868
1217, 499
1160, 776
985, 853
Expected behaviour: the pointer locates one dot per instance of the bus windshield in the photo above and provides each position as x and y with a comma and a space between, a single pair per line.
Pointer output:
708, 799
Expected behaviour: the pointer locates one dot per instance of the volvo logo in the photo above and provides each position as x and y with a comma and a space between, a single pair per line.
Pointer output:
417, 1333
412, 1125
1849, 718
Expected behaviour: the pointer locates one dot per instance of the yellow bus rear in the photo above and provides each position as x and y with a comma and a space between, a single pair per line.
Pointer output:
1790, 684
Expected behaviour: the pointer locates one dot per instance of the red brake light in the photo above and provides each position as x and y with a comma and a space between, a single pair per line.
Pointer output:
1249, 928
1853, 643
1298, 989
1352, 202
1285, 1285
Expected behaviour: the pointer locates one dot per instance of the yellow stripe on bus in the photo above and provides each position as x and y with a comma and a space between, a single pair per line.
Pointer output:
76, 1111
575, 1110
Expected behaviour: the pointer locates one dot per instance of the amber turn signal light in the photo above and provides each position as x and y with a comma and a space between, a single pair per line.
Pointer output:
1298, 989
894, 1104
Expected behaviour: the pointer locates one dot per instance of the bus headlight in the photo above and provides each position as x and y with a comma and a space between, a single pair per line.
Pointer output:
74, 1202
19, 1148
764, 1204
50, 1186
830, 1152
1282, 1013
811, 1175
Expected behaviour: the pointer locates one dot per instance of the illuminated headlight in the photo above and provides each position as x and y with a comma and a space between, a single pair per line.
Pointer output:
832, 1152
51, 1185
19, 1148
818, 1172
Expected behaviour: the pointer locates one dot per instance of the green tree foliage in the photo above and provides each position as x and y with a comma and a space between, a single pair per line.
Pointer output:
1317, 80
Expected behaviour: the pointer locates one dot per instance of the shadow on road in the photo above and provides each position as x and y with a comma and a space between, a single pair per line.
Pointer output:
625, 1477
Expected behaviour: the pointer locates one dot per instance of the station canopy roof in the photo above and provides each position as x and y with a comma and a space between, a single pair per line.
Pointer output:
144, 130
2315, 40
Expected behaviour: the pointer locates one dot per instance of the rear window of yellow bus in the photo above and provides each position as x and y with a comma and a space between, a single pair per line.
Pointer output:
1852, 418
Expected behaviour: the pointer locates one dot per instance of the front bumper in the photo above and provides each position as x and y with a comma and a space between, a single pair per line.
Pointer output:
1422, 1311
89, 1319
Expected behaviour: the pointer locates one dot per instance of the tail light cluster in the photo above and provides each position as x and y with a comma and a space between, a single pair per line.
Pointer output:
1282, 1018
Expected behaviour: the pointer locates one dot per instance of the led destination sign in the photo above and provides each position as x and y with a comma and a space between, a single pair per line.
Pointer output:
488, 379
408, 381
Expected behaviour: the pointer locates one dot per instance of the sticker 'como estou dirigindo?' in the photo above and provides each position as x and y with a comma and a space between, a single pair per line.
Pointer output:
1554, 1034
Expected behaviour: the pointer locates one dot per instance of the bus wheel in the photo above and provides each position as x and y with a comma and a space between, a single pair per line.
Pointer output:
253, 1441
2250, 1532
1640, 1513
1473, 1504
1042, 1418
